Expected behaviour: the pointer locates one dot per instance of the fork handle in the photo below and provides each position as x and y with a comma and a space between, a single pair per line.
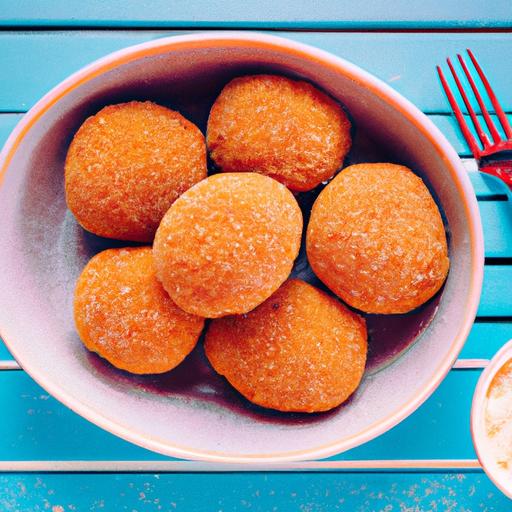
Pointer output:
502, 170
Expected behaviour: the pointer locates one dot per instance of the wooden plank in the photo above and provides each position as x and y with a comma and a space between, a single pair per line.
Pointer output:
487, 186
497, 226
495, 301
448, 125
36, 61
318, 492
5, 355
445, 123
496, 215
438, 429
323, 14
485, 339
38, 427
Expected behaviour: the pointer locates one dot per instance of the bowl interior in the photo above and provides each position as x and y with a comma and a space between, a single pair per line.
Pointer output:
191, 412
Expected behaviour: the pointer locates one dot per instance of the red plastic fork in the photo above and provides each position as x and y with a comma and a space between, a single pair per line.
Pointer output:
488, 148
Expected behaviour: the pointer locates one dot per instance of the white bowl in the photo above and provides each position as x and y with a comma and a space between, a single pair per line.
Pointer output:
192, 413
478, 430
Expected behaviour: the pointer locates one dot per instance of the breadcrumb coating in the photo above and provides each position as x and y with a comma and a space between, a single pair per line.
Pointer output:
123, 313
228, 243
127, 164
377, 240
301, 350
283, 128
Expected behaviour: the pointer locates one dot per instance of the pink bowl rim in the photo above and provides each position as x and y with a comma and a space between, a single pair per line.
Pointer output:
379, 88
477, 408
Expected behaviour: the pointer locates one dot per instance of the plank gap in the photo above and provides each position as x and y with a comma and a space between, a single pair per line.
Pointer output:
492, 197
493, 319
491, 261
255, 26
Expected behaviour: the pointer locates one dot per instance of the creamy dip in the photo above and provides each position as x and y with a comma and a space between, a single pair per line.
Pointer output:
498, 418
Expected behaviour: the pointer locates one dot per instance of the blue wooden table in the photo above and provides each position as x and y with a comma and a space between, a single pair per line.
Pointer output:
52, 459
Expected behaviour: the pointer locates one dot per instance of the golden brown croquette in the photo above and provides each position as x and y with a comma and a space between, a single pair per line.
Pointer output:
127, 164
301, 350
283, 128
123, 313
377, 240
228, 243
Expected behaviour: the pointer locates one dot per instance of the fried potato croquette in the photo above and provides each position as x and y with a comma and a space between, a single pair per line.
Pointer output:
127, 164
286, 129
123, 313
228, 243
300, 351
377, 240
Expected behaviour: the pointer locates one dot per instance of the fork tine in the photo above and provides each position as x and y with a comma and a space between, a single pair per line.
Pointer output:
481, 134
490, 124
495, 103
473, 146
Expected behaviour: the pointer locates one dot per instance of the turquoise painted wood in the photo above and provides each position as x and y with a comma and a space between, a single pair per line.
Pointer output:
5, 355
322, 14
445, 122
489, 187
37, 427
497, 225
495, 300
259, 492
448, 125
39, 60
486, 338
7, 124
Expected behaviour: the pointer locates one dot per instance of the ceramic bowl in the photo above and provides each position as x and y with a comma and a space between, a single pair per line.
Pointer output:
478, 430
192, 413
